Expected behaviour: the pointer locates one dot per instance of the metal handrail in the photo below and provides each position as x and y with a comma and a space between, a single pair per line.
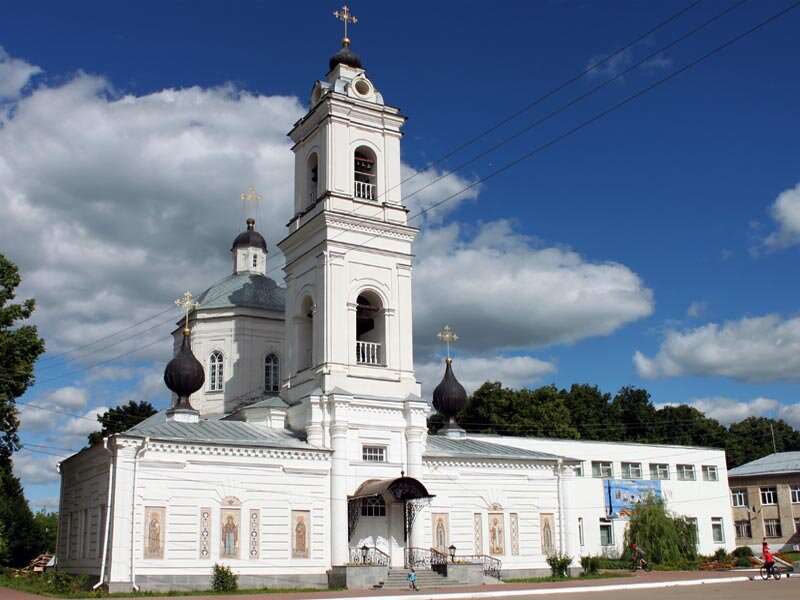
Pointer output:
375, 557
491, 565
439, 562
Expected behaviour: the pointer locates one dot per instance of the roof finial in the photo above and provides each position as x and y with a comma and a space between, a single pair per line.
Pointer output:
347, 17
187, 304
448, 337
251, 198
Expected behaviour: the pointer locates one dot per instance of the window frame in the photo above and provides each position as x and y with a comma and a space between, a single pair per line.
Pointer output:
370, 452
605, 524
772, 528
216, 371
717, 525
659, 471
630, 474
272, 371
743, 526
768, 495
707, 473
686, 472
578, 469
794, 491
742, 494
374, 506
601, 464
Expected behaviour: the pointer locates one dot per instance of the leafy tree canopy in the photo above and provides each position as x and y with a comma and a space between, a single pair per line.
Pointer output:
121, 418
664, 537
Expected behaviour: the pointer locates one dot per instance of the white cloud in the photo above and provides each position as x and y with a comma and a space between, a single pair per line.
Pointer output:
512, 371
500, 290
613, 66
786, 212
32, 469
727, 410
790, 413
15, 74
435, 193
34, 418
697, 309
754, 349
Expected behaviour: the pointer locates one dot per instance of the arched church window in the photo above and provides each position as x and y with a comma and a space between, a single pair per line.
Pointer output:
373, 507
305, 334
215, 371
272, 373
255, 261
370, 330
312, 178
364, 174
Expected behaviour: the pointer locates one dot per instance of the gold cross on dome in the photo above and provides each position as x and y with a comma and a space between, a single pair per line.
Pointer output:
448, 337
250, 195
347, 17
187, 304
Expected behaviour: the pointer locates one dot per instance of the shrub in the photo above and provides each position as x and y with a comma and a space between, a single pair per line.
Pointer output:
743, 552
223, 579
742, 561
720, 554
590, 564
559, 564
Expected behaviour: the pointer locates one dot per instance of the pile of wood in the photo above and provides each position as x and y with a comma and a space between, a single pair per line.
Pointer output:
38, 564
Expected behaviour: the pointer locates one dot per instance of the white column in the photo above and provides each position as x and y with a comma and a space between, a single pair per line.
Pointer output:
119, 575
569, 511
339, 541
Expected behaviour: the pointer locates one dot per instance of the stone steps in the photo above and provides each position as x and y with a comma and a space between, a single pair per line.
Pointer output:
396, 580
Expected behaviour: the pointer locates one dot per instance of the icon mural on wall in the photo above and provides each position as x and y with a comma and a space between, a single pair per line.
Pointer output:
441, 531
154, 532
301, 524
548, 533
254, 523
514, 518
497, 534
205, 532
477, 526
230, 526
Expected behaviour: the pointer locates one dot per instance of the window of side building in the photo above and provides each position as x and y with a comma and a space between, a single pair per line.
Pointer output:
578, 470
717, 532
602, 469
743, 529
769, 495
606, 533
710, 473
659, 471
739, 497
795, 490
685, 472
632, 470
772, 528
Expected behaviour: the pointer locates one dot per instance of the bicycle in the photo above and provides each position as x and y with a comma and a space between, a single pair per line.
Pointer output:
765, 572
645, 566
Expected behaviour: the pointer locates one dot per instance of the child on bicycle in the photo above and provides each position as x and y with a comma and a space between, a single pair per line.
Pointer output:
638, 555
769, 561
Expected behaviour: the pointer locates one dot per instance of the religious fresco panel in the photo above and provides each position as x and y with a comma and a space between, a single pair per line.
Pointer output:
230, 532
547, 528
441, 531
301, 533
477, 526
254, 525
514, 524
497, 534
154, 530
205, 533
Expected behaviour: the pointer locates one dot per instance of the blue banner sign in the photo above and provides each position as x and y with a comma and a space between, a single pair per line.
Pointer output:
622, 494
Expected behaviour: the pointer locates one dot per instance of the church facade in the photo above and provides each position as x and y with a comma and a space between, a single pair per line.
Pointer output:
304, 446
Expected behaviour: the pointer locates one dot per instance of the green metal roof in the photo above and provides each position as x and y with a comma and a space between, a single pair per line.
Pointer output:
444, 447
252, 290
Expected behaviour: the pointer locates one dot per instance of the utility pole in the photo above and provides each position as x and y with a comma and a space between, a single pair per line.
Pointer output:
772, 431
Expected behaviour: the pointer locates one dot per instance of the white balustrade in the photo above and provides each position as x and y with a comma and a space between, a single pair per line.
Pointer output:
368, 353
364, 190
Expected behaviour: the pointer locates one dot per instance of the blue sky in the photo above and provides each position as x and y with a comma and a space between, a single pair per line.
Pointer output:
669, 228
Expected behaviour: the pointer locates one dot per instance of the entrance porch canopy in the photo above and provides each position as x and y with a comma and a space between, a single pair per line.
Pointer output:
407, 490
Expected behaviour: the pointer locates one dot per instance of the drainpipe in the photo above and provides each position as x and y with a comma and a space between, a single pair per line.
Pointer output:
560, 510
108, 514
139, 450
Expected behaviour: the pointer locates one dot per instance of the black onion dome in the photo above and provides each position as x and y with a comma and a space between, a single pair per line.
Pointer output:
250, 237
345, 56
184, 374
449, 397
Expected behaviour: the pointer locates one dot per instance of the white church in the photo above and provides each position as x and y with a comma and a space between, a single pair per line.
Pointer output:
296, 450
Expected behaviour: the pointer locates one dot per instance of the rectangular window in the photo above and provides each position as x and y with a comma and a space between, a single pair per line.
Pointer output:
743, 529
255, 261
710, 473
659, 471
373, 454
101, 528
685, 472
580, 530
797, 524
578, 470
602, 469
772, 528
606, 533
795, 490
769, 495
717, 532
373, 507
631, 470
739, 497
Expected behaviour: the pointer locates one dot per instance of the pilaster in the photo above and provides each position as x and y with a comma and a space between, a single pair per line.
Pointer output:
122, 521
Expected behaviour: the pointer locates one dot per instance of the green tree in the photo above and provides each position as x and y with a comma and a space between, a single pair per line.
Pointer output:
659, 533
20, 346
636, 412
121, 418
752, 438
538, 413
592, 414
47, 526
21, 531
687, 426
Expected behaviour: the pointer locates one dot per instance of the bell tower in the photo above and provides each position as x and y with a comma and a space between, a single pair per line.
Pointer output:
348, 251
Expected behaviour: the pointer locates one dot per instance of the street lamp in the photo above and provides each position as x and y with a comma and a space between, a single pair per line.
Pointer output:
364, 551
452, 549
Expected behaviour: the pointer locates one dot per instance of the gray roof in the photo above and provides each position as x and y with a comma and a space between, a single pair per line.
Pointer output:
444, 447
239, 433
772, 464
269, 402
245, 289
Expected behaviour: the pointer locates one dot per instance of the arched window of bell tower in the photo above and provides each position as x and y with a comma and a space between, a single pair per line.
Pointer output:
312, 179
370, 330
365, 174
305, 334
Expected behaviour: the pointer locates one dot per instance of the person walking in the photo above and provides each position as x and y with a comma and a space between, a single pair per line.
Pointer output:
412, 580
